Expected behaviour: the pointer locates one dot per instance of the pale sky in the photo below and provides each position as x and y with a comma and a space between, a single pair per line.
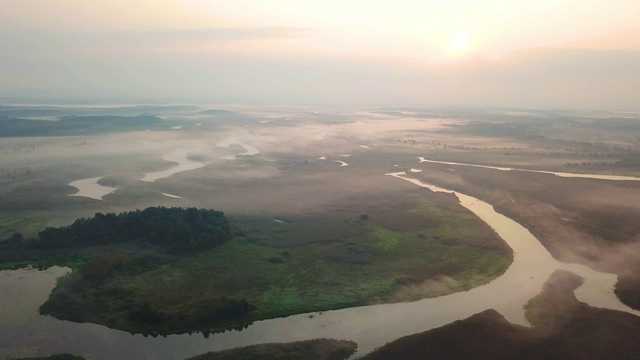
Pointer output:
576, 54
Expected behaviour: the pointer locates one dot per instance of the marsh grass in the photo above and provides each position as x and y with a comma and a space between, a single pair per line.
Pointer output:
307, 264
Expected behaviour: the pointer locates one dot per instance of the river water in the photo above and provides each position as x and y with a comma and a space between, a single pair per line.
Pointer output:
91, 189
184, 164
560, 174
22, 329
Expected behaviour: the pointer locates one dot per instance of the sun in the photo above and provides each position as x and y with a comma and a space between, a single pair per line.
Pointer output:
459, 43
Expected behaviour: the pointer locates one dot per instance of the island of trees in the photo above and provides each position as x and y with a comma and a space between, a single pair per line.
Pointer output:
112, 246
179, 229
172, 270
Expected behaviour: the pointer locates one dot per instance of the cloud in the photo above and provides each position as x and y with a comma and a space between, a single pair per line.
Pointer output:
536, 78
68, 43
213, 34
560, 78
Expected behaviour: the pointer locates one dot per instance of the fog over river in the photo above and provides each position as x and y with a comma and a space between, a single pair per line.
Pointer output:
181, 157
91, 189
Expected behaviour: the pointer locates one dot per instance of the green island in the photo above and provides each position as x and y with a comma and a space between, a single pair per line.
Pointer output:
164, 270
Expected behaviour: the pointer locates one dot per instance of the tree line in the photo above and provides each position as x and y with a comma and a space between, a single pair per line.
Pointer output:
179, 229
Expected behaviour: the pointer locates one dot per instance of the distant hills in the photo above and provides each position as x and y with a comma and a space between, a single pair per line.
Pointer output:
75, 125
47, 111
219, 112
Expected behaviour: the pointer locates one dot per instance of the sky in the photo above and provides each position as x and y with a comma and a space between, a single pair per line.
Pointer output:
570, 54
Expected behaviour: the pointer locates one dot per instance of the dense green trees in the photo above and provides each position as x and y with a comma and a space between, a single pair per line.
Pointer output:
177, 228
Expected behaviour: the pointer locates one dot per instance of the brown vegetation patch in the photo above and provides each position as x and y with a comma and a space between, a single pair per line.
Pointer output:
318, 349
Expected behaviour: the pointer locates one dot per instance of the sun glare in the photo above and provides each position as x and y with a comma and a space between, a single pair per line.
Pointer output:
459, 43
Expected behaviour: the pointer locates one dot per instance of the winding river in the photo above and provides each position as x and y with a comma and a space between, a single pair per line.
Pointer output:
181, 157
560, 174
369, 326
91, 189
249, 150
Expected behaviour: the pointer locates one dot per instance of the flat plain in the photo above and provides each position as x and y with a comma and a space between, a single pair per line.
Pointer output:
317, 223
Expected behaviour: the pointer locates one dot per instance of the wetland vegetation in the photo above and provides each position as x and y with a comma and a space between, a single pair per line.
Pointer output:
168, 270
300, 233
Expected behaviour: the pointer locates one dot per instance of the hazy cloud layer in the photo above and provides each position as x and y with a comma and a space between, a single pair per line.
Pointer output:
211, 52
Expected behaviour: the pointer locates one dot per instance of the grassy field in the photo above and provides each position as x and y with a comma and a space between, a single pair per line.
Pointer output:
311, 235
301, 264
